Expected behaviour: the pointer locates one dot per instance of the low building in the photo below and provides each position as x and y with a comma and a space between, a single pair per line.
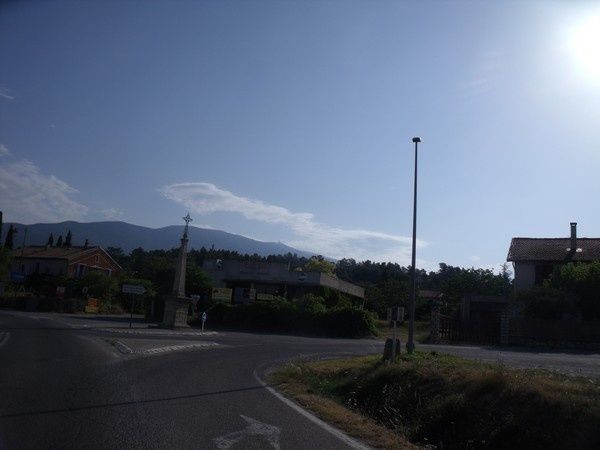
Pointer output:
66, 261
247, 281
534, 259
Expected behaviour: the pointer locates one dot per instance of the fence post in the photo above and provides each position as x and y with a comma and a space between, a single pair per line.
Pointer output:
434, 334
504, 327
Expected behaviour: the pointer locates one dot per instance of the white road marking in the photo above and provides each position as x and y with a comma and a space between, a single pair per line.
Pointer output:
351, 442
175, 348
149, 331
125, 349
4, 337
255, 428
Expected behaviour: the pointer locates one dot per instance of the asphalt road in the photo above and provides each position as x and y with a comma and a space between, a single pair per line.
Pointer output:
76, 382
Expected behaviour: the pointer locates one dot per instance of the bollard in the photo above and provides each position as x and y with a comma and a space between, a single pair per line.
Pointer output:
398, 349
388, 351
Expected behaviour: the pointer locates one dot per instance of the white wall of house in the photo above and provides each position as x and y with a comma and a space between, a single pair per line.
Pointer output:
524, 275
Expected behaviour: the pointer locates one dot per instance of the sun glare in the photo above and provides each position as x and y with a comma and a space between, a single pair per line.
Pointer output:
584, 44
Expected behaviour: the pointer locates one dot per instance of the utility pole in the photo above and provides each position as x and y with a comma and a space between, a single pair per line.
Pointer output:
410, 345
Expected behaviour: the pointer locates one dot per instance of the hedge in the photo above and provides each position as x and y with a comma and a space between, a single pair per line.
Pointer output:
283, 316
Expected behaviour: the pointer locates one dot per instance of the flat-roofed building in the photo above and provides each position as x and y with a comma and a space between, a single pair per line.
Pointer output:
257, 280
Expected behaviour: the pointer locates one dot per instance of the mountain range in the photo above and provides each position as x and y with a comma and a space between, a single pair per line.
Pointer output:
129, 236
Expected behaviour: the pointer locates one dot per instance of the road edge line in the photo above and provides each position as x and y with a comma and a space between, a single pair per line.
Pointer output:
353, 443
4, 336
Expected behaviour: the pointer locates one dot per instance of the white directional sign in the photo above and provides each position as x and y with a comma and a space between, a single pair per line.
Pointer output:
269, 433
133, 289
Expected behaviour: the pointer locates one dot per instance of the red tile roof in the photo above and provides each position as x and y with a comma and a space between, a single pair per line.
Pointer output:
68, 253
553, 249
41, 251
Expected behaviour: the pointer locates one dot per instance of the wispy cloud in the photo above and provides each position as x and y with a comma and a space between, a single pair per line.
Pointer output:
29, 196
5, 93
3, 150
483, 75
112, 213
336, 242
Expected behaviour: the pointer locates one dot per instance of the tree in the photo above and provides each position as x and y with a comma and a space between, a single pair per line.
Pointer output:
50, 242
10, 236
59, 242
5, 260
196, 281
320, 264
68, 239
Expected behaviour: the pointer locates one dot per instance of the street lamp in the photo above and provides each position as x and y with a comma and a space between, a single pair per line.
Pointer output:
410, 345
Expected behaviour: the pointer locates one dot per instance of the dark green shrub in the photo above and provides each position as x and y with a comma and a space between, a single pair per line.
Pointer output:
349, 322
286, 317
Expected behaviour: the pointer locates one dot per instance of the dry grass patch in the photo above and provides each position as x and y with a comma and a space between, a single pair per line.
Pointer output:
351, 422
449, 402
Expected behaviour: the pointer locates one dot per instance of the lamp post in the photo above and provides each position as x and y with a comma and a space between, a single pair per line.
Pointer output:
410, 345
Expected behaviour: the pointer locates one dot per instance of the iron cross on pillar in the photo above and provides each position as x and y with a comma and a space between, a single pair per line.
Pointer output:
187, 220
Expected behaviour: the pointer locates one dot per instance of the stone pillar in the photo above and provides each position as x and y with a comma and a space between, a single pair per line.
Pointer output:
180, 269
177, 304
176, 312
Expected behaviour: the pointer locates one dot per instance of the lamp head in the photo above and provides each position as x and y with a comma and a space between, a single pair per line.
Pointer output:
416, 139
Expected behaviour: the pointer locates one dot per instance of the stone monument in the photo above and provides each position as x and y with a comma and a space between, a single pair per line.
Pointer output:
177, 304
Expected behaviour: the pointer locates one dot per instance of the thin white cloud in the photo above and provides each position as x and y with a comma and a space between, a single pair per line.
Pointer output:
483, 76
4, 93
336, 242
3, 150
27, 195
112, 213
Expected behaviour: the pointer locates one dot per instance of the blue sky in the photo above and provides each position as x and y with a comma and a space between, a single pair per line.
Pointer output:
292, 121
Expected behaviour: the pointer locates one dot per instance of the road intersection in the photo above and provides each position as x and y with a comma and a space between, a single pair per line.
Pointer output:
83, 381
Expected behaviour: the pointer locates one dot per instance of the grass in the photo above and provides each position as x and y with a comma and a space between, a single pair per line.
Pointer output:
447, 402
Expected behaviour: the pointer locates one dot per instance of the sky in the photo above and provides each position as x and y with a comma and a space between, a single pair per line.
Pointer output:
292, 121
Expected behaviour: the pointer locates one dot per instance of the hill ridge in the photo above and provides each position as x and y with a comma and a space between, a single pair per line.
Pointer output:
129, 236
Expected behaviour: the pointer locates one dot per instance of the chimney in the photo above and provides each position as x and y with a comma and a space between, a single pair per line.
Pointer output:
573, 236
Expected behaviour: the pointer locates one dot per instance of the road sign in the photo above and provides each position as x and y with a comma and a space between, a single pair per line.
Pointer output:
92, 306
137, 289
222, 294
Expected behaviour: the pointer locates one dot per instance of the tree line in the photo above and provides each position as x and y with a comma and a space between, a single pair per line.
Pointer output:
386, 284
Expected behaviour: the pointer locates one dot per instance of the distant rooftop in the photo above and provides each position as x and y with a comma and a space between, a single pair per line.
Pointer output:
553, 249
43, 251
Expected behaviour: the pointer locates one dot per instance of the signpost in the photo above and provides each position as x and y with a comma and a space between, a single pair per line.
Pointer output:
133, 289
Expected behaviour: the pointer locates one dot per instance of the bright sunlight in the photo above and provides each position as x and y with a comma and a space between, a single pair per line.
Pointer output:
584, 43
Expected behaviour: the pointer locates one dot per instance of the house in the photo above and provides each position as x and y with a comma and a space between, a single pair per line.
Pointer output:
534, 259
247, 281
68, 261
